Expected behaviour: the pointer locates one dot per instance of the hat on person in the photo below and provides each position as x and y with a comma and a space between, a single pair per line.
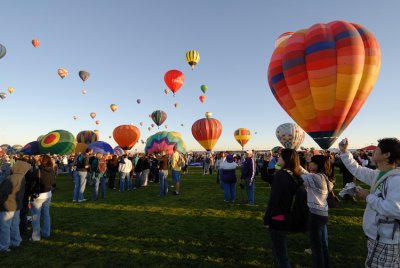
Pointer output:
249, 152
229, 158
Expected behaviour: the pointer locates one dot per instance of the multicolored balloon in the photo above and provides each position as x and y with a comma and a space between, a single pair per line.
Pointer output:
282, 38
36, 43
92, 115
57, 142
87, 137
31, 148
101, 147
323, 75
80, 147
204, 88
118, 151
3, 51
3, 95
207, 131
113, 107
242, 136
84, 75
192, 58
159, 117
174, 79
17, 148
126, 136
62, 72
290, 135
5, 147
202, 98
10, 90
165, 141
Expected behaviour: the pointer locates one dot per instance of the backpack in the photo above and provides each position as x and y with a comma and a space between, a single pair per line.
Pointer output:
102, 165
94, 165
299, 210
80, 162
207, 160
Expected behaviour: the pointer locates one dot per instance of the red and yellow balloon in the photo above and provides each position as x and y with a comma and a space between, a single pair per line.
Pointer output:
207, 131
242, 136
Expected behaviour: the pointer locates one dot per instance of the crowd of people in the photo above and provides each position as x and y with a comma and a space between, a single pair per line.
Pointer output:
28, 182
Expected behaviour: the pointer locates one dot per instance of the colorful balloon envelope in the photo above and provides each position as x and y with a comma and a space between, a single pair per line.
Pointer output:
242, 136
35, 43
5, 147
3, 51
118, 150
80, 147
165, 141
57, 142
207, 132
62, 73
84, 75
126, 136
174, 79
192, 58
159, 117
323, 75
204, 88
92, 115
17, 148
290, 135
10, 90
202, 98
87, 137
113, 107
101, 147
31, 148
282, 38
97, 133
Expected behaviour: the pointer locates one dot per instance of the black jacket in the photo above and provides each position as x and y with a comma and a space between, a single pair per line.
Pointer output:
45, 182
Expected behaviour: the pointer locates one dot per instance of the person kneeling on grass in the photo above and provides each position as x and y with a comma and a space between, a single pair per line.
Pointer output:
228, 178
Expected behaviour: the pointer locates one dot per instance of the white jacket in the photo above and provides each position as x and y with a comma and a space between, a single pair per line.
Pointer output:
383, 202
125, 168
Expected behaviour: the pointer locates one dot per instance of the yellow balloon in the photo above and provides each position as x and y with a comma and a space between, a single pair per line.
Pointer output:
11, 90
114, 107
192, 57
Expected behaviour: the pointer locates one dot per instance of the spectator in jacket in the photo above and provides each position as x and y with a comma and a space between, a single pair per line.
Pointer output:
138, 170
176, 165
11, 195
124, 169
382, 214
5, 168
249, 175
163, 173
112, 169
228, 178
81, 170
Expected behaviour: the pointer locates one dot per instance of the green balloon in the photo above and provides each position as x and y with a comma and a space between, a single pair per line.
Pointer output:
204, 88
57, 142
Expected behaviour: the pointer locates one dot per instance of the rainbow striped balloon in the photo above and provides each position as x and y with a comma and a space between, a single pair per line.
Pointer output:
323, 75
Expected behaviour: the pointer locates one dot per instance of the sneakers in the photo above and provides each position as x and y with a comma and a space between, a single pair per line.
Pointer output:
73, 200
308, 251
83, 200
176, 193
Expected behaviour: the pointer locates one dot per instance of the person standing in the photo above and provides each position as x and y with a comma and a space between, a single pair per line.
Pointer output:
112, 170
228, 178
249, 175
176, 166
381, 220
163, 173
82, 165
125, 168
11, 195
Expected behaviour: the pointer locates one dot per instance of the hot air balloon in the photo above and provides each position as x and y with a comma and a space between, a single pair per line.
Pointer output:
3, 51
208, 114
10, 90
3, 95
57, 142
31, 148
138, 101
181, 125
159, 117
62, 73
165, 141
323, 75
192, 57
149, 128
109, 137
5, 147
290, 135
113, 107
87, 137
126, 136
176, 105
204, 88
242, 136
141, 124
92, 115
80, 147
118, 150
174, 79
207, 131
97, 122
166, 91
35, 43
84, 75
166, 126
152, 125
84, 91
101, 147
202, 98
75, 117
17, 148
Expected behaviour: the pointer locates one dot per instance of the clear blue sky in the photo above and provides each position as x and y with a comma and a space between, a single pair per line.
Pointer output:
128, 46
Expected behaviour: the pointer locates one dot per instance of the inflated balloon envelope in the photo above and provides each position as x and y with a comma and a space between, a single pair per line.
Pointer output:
323, 75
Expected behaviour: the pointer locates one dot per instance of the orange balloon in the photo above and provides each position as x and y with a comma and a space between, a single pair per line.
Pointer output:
126, 136
35, 43
202, 98
62, 72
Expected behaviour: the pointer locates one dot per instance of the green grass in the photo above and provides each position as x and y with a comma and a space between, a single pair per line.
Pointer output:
194, 229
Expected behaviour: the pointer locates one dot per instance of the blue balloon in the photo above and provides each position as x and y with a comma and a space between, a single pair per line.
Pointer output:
31, 148
101, 147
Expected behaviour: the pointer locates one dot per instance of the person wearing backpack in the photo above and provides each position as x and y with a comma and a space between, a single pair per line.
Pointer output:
381, 220
82, 165
318, 186
277, 216
97, 176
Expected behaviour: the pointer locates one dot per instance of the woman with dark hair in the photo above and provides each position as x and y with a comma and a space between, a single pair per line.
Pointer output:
283, 189
43, 179
318, 186
112, 168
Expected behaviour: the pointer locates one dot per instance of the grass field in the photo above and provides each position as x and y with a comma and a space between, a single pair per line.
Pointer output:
194, 229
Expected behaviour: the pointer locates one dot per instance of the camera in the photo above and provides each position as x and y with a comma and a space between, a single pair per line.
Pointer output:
34, 196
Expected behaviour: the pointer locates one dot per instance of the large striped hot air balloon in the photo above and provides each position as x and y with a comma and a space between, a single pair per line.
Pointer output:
165, 141
126, 136
323, 75
290, 135
57, 142
159, 117
192, 58
87, 137
207, 131
174, 79
242, 136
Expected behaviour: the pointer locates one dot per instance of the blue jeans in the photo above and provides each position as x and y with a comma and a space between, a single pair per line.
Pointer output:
79, 185
123, 176
9, 230
163, 174
279, 248
138, 182
96, 183
250, 191
229, 191
145, 177
39, 207
318, 234
103, 179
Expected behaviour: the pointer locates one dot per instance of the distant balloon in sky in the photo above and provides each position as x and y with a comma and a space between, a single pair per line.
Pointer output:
181, 125
138, 101
84, 91
192, 58
97, 122
208, 114
202, 98
159, 117
174, 79
75, 117
204, 88
92, 115
323, 75
176, 105
141, 124
3, 51
3, 95
242, 136
84, 75
113, 107
166, 91
62, 73
149, 128
290, 135
166, 126
35, 43
152, 125
10, 89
